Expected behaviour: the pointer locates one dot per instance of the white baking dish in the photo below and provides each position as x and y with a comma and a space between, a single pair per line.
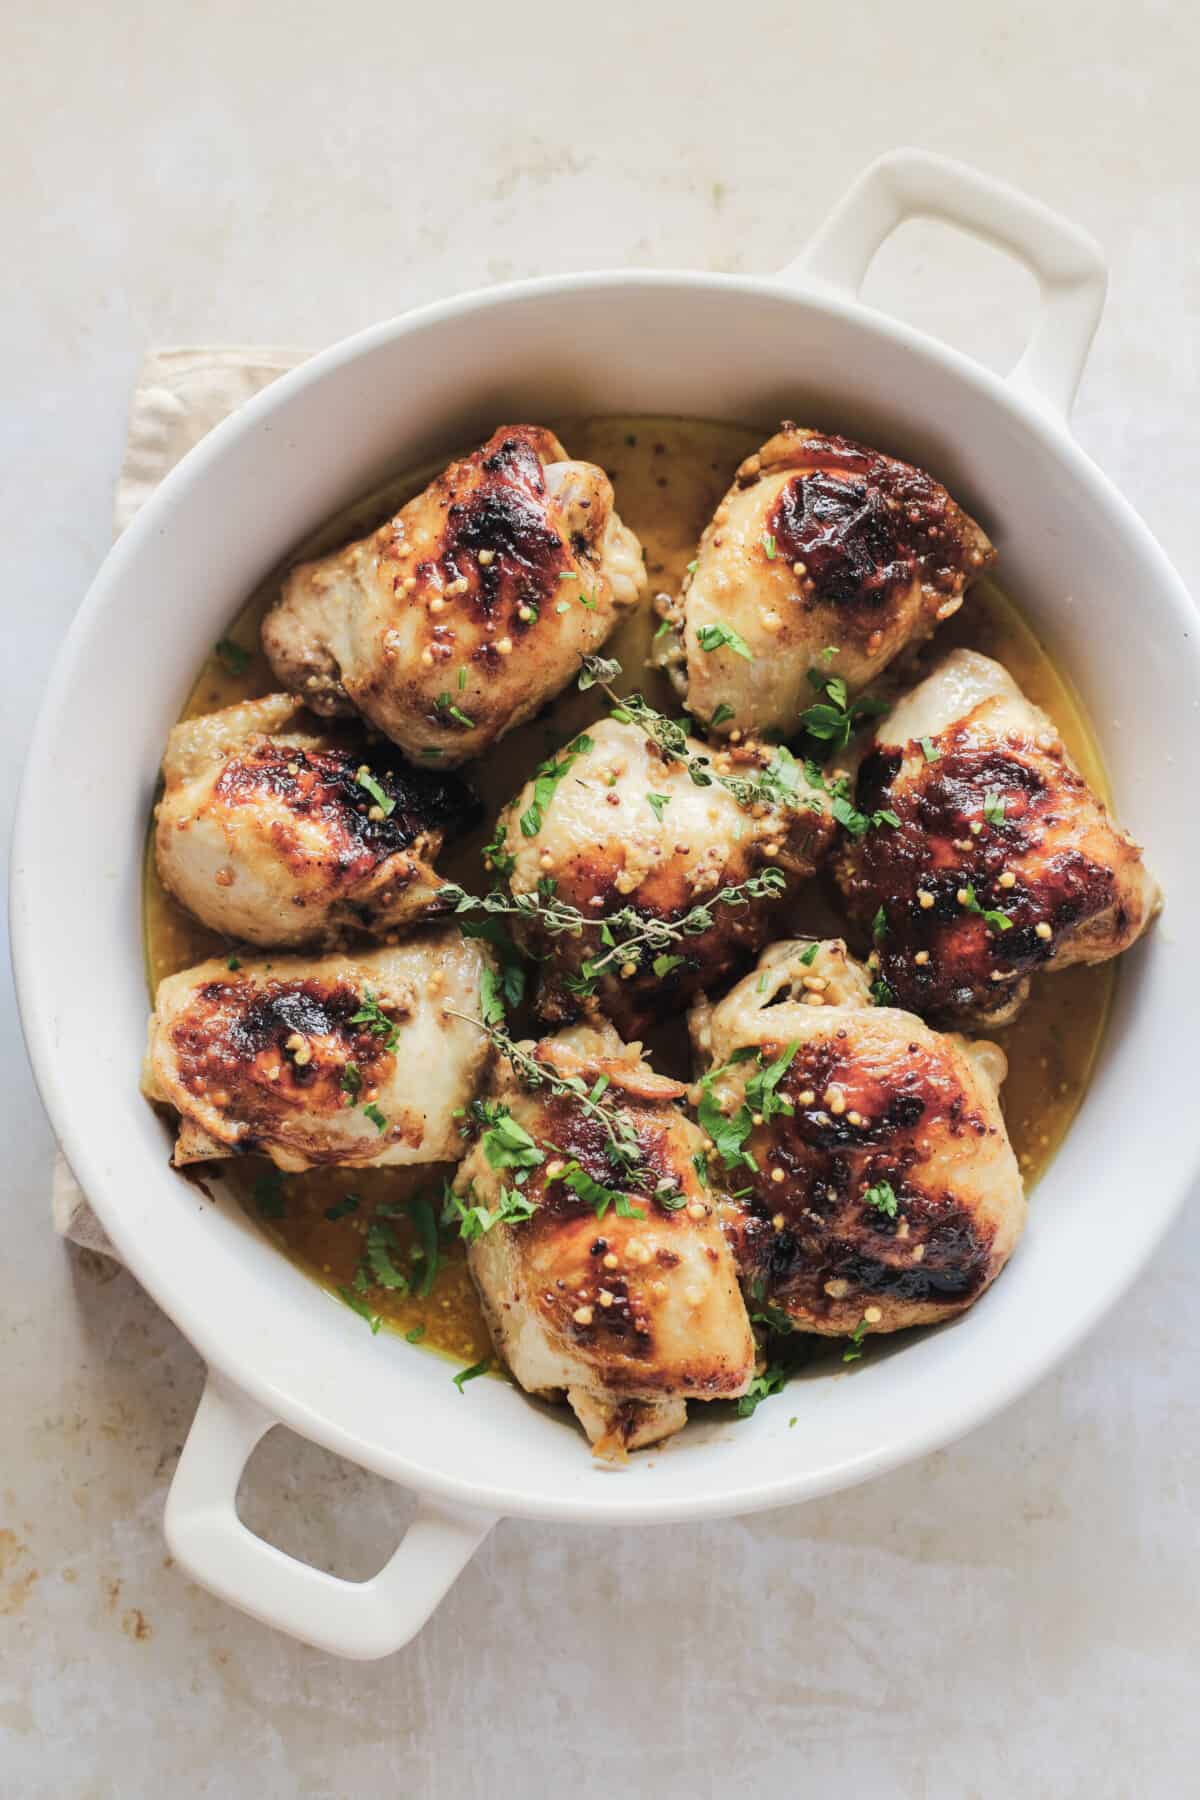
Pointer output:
1087, 574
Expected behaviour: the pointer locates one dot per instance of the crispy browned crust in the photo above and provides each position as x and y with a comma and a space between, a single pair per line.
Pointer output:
865, 527
1050, 819
812, 1244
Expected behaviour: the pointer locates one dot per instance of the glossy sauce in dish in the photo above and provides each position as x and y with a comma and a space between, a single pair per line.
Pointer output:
669, 475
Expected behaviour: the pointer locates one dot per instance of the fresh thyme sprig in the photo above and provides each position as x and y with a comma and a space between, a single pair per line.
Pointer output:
779, 784
621, 1145
627, 936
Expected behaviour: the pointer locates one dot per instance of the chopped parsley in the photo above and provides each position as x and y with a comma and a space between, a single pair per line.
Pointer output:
351, 1081
232, 657
384, 802
999, 921
234, 962
425, 1252
371, 1014
589, 601
546, 780
879, 926
882, 992
507, 1144
473, 1220
859, 823
448, 710
594, 1193
772, 1380
834, 719
721, 636
381, 1241
415, 1335
994, 807
662, 965
377, 1119
932, 753
465, 1375
268, 1194
762, 1095
882, 1196
357, 1304
656, 802
722, 714
495, 857
854, 1347
349, 1203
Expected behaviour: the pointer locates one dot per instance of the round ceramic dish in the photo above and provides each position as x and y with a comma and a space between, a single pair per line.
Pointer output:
1088, 576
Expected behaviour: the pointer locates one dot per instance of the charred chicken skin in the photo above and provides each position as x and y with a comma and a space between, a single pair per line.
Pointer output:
464, 614
825, 557
1004, 863
619, 1294
883, 1191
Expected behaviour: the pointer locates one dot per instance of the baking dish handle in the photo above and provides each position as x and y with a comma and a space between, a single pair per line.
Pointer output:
912, 184
360, 1619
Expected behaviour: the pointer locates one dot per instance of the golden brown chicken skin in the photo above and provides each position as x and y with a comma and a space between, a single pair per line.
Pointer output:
625, 827
363, 1060
1005, 863
464, 614
826, 557
627, 1305
279, 833
879, 1188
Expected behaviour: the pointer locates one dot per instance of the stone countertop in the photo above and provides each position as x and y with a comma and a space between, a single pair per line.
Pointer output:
1017, 1614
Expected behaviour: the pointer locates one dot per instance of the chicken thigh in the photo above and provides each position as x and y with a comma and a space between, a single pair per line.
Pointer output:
883, 1191
357, 1060
282, 835
616, 829
824, 558
619, 1291
470, 609
1004, 861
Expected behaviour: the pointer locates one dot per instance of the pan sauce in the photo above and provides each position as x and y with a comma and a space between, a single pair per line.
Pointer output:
669, 475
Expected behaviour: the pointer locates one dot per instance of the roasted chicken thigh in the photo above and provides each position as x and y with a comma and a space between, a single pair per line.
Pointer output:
883, 1191
824, 557
470, 609
1004, 861
347, 1059
279, 834
614, 826
621, 1295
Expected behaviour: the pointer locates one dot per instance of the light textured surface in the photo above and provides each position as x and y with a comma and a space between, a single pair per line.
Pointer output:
1015, 1615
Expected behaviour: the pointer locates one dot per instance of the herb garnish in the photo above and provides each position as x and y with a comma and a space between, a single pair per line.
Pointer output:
348, 1203
465, 1375
377, 1118
771, 1381
854, 1348
656, 803
384, 802
448, 710
626, 936
999, 921
546, 779
768, 544
994, 807
882, 1196
723, 637
371, 1014
235, 660
268, 1194
834, 719
357, 1304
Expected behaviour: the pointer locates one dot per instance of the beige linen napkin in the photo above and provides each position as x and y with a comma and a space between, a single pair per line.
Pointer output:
180, 395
